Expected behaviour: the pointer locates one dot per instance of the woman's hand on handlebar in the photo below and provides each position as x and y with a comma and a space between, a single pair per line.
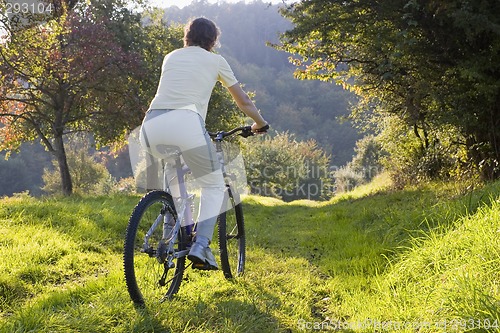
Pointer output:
260, 128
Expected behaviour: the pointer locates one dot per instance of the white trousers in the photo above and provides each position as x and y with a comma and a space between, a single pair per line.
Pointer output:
186, 130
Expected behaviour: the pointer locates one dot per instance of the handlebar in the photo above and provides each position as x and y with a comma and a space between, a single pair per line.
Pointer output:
244, 131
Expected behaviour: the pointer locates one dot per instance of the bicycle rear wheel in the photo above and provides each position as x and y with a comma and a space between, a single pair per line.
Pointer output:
152, 271
232, 238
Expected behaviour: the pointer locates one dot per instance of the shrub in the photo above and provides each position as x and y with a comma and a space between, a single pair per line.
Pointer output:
346, 179
88, 176
126, 185
368, 158
283, 167
417, 156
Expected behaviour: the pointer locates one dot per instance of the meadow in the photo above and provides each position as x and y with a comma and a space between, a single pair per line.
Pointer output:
425, 259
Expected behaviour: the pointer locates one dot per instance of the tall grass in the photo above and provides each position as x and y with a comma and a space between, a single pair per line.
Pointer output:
369, 260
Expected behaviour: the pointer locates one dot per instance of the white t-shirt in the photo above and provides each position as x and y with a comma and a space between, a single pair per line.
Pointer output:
188, 77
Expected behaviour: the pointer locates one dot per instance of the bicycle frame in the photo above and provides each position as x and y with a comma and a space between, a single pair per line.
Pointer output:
184, 215
184, 202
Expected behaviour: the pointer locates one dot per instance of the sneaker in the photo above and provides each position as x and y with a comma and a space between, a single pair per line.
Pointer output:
202, 257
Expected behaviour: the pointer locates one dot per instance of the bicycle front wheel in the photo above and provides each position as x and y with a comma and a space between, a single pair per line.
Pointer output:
232, 238
153, 269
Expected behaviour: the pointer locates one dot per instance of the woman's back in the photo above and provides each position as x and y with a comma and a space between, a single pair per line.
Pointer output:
188, 77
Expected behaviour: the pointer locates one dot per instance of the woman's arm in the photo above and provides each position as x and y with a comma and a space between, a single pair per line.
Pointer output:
247, 106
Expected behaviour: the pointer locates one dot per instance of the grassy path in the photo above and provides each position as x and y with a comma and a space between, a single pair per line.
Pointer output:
369, 261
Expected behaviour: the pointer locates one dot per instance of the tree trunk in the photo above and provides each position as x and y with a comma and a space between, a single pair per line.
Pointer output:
60, 153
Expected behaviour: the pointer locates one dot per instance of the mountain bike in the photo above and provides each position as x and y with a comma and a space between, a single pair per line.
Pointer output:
160, 231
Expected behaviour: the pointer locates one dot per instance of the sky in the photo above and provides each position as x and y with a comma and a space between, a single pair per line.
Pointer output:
183, 3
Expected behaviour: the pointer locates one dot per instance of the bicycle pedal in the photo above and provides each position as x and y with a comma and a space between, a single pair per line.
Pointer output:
204, 266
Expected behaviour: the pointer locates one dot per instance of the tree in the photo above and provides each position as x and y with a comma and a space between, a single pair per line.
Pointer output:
368, 158
432, 64
66, 75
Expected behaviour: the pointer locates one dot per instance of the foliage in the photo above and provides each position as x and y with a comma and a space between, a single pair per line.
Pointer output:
409, 162
368, 158
223, 113
364, 166
429, 64
126, 185
92, 67
153, 38
280, 166
67, 75
88, 176
346, 179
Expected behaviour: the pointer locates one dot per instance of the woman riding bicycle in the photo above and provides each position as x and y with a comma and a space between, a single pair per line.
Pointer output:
176, 117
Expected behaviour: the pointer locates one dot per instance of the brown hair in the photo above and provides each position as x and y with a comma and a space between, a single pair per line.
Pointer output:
201, 32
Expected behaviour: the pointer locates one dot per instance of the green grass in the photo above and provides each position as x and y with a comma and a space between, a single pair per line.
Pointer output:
371, 260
